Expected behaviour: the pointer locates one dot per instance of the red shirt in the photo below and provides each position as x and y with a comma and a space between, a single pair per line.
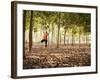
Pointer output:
45, 36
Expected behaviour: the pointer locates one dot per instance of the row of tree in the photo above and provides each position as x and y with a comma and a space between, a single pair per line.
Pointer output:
59, 24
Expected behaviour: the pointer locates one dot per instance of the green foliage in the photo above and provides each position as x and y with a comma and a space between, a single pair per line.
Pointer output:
71, 23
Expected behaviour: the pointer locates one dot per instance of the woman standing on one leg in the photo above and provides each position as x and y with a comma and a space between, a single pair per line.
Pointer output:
45, 38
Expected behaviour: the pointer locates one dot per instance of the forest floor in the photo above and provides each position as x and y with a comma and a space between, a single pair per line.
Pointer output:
52, 57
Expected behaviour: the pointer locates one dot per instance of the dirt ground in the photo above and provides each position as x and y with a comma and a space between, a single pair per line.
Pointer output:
52, 57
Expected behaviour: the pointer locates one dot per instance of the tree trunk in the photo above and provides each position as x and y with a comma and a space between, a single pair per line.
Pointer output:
24, 25
58, 30
30, 32
60, 37
68, 38
79, 38
52, 34
86, 38
64, 37
72, 37
48, 35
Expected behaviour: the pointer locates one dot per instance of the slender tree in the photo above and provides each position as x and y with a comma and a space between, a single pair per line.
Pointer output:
24, 25
30, 32
58, 32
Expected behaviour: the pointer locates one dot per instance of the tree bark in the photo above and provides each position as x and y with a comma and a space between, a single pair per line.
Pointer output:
48, 35
86, 38
58, 30
24, 25
30, 32
72, 37
64, 37
52, 34
79, 38
60, 37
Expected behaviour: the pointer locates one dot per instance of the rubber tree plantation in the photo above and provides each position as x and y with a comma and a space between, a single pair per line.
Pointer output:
56, 39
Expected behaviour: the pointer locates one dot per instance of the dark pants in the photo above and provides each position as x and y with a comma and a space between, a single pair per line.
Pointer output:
43, 40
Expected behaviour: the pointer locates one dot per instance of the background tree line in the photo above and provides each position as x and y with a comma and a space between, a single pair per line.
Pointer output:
63, 27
